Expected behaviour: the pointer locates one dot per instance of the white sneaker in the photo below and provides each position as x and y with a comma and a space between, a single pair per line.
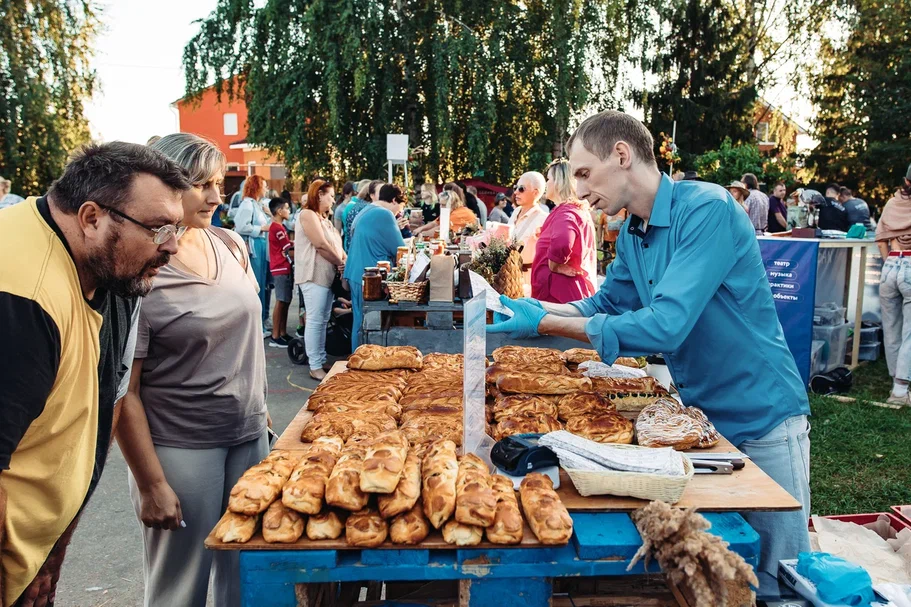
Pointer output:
904, 401
267, 333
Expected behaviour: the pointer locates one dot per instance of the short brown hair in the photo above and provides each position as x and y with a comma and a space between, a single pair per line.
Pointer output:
601, 132
313, 193
846, 192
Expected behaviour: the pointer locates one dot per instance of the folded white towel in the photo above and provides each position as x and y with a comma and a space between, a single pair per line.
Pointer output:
576, 452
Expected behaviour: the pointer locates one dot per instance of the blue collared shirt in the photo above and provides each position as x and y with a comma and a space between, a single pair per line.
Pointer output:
693, 286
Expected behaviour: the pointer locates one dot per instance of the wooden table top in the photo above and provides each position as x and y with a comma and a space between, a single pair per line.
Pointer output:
746, 490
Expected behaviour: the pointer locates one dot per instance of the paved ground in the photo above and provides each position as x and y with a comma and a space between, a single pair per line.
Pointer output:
104, 563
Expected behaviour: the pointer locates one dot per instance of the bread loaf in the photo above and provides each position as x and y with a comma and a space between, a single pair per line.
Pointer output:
583, 403
539, 357
531, 383
432, 412
521, 404
667, 423
356, 425
281, 524
369, 357
608, 427
384, 407
408, 491
425, 389
430, 428
476, 502
261, 484
383, 463
343, 489
460, 534
366, 529
606, 385
439, 472
497, 370
452, 398
627, 361
445, 362
410, 527
545, 513
360, 393
235, 527
527, 424
577, 356
327, 525
306, 487
507, 527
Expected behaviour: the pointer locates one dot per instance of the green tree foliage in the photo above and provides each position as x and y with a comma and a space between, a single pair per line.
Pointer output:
711, 58
730, 162
45, 78
863, 120
487, 88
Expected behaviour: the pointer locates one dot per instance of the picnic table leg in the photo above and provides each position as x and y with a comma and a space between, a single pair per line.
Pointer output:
506, 592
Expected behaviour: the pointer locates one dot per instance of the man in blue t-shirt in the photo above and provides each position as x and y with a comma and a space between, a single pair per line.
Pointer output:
689, 282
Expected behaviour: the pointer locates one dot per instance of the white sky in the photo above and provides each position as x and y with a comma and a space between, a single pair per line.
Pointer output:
138, 63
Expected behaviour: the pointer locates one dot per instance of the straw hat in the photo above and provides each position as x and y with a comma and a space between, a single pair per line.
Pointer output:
739, 185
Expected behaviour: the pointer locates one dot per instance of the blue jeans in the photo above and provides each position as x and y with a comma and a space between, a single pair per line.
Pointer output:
318, 304
357, 310
895, 299
783, 454
259, 261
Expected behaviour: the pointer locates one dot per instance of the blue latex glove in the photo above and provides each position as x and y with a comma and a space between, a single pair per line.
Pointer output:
527, 315
837, 581
498, 318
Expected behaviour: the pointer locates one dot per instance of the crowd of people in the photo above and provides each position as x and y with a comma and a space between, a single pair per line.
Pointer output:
118, 329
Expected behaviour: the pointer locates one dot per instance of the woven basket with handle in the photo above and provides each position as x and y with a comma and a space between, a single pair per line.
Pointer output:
407, 291
508, 281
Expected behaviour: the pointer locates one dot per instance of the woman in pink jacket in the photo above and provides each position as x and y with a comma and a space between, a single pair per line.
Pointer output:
565, 264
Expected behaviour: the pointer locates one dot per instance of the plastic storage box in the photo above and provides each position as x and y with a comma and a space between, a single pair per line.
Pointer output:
836, 338
828, 315
869, 351
817, 362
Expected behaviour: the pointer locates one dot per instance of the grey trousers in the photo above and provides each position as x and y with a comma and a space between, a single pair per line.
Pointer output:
783, 454
175, 564
895, 300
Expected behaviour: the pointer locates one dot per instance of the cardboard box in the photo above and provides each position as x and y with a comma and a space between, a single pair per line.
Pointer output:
441, 277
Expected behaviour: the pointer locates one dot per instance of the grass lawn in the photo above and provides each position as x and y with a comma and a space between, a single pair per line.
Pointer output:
860, 454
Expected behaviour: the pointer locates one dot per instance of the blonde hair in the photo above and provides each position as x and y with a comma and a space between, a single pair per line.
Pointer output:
199, 158
430, 189
564, 183
455, 200
363, 190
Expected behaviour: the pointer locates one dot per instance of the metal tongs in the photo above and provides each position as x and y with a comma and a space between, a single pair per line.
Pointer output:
716, 463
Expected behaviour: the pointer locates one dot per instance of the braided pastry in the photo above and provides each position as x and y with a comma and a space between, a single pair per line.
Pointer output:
532, 383
607, 427
666, 424
356, 425
527, 424
607, 385
520, 404
369, 357
583, 403
577, 356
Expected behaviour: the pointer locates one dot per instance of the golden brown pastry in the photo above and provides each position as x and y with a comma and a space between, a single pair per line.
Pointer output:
363, 393
608, 427
476, 502
507, 527
430, 428
327, 525
525, 354
583, 403
410, 527
366, 529
532, 383
281, 524
460, 534
343, 489
439, 472
306, 486
433, 388
385, 407
495, 371
545, 513
627, 361
606, 385
710, 436
233, 527
370, 357
452, 398
356, 425
577, 356
394, 377
527, 424
433, 411
631, 404
666, 423
261, 484
408, 491
521, 404
447, 362
384, 462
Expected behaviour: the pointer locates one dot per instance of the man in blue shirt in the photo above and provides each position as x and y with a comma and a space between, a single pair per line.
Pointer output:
689, 282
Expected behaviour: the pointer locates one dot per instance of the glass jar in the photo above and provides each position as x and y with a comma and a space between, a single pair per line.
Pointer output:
399, 254
385, 268
372, 285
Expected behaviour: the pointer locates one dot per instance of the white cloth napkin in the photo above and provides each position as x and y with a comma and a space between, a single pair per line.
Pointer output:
576, 452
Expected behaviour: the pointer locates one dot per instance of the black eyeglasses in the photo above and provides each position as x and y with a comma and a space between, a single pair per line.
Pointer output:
521, 189
161, 235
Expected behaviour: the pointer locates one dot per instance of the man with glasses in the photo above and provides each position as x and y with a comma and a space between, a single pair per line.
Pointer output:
73, 266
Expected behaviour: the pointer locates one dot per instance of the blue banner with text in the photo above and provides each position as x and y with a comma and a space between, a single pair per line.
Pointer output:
791, 268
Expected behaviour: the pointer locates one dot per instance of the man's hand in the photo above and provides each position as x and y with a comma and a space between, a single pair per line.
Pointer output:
160, 507
527, 315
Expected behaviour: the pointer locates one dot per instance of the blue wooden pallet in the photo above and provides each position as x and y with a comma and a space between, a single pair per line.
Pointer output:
603, 544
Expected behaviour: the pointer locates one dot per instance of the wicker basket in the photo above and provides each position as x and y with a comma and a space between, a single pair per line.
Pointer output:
508, 281
634, 484
407, 291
